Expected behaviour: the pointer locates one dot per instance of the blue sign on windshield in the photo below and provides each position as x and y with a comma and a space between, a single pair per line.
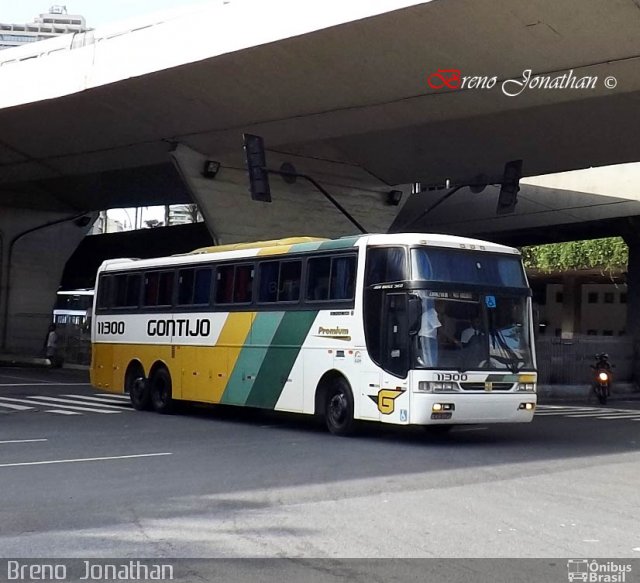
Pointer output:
490, 302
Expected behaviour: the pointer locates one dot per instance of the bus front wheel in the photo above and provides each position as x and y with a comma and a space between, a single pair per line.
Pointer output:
161, 392
338, 409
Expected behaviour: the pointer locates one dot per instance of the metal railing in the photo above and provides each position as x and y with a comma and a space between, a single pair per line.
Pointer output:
567, 362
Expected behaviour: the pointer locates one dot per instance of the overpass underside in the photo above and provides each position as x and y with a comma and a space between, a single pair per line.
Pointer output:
119, 118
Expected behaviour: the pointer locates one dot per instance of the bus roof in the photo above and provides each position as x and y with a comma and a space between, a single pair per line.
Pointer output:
307, 244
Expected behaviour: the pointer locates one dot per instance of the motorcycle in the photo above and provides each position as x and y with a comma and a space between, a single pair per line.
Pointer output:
603, 378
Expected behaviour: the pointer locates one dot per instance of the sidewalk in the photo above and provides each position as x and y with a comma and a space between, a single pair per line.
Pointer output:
35, 362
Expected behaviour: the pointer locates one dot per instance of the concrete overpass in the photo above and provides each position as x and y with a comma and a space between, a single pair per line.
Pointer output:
344, 91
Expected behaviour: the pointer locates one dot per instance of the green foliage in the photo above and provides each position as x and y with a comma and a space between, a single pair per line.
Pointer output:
606, 254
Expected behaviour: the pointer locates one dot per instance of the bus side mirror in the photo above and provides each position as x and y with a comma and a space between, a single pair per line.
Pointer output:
414, 314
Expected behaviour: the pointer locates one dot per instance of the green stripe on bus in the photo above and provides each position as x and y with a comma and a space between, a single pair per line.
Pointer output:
344, 243
251, 357
280, 358
302, 247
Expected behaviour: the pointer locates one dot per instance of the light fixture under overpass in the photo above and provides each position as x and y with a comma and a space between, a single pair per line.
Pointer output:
394, 197
211, 168
508, 198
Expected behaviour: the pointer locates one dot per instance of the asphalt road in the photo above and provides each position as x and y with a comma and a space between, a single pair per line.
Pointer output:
92, 478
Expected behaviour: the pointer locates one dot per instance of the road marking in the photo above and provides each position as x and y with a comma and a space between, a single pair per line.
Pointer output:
62, 412
87, 459
102, 401
57, 400
588, 412
114, 396
42, 401
22, 440
16, 407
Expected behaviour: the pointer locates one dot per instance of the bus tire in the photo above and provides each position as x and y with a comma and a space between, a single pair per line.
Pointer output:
338, 408
139, 395
137, 387
161, 391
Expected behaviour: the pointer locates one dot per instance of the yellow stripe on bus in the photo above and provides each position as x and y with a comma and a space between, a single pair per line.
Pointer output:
234, 335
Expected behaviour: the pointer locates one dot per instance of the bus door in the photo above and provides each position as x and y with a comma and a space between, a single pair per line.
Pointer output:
396, 346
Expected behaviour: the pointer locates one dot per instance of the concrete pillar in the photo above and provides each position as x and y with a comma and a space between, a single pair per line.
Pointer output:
34, 247
632, 239
296, 209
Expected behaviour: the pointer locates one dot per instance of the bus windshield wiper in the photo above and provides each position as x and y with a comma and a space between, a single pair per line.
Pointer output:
511, 360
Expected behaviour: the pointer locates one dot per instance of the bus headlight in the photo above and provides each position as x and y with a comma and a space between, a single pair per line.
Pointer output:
527, 387
436, 387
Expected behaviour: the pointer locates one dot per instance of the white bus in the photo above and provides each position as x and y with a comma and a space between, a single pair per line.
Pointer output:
73, 307
418, 329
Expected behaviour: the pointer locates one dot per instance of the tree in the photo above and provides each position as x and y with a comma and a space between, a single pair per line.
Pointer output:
607, 254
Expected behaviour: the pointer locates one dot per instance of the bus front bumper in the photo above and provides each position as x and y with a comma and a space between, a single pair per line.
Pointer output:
456, 408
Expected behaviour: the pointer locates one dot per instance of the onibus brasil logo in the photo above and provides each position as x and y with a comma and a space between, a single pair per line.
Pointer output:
597, 572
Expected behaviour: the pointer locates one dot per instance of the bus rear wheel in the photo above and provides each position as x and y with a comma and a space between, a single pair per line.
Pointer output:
139, 395
137, 387
338, 408
161, 391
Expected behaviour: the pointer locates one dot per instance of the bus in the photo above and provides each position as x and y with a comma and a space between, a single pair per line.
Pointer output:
406, 329
73, 307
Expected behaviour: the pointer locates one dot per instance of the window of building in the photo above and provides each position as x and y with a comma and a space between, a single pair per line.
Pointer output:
623, 297
607, 332
592, 332
559, 298
608, 297
592, 297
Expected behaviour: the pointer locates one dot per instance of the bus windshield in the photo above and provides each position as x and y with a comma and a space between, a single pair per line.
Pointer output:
464, 266
468, 331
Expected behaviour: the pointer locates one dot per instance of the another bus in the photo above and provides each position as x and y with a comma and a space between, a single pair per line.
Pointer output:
417, 329
73, 307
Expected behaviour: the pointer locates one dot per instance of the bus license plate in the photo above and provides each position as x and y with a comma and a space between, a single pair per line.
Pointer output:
441, 415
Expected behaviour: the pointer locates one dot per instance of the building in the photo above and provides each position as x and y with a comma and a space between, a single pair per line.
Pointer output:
47, 25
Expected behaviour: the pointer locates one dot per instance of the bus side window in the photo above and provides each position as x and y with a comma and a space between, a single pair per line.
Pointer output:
385, 264
202, 286
343, 277
185, 286
151, 282
165, 289
243, 285
104, 296
269, 272
224, 284
289, 285
133, 290
319, 270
